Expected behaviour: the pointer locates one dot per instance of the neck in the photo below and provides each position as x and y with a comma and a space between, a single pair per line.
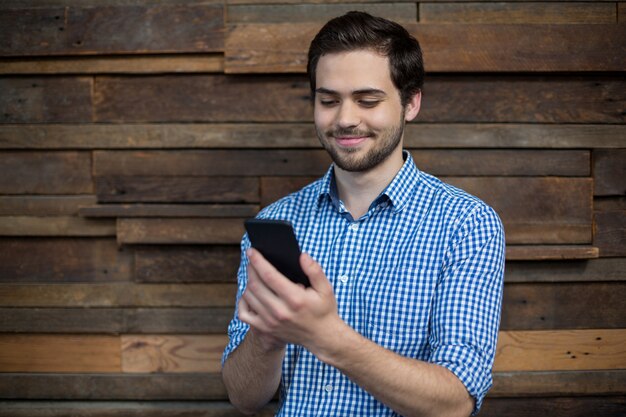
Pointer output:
358, 190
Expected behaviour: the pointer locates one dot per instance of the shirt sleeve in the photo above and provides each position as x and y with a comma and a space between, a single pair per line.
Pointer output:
467, 303
237, 329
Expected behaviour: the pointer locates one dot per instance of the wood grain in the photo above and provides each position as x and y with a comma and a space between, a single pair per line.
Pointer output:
179, 231
610, 232
484, 47
302, 135
550, 252
609, 172
74, 30
595, 270
63, 260
30, 205
55, 226
168, 210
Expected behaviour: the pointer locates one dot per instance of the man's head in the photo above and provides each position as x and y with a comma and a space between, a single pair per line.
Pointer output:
359, 31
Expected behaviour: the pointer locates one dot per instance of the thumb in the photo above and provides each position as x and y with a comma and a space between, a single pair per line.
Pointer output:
316, 275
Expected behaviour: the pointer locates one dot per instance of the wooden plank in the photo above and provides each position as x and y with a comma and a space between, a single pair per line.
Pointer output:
134, 409
550, 252
556, 350
302, 135
265, 13
55, 226
621, 12
210, 162
201, 386
63, 260
182, 189
115, 320
30, 205
76, 30
282, 98
550, 306
157, 64
63, 99
197, 264
60, 353
169, 210
95, 295
549, 384
172, 354
39, 172
609, 204
610, 232
208, 386
182, 231
542, 210
536, 13
282, 47
609, 172
612, 406
596, 270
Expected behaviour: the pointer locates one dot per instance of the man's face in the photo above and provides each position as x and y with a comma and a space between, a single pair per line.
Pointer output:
358, 115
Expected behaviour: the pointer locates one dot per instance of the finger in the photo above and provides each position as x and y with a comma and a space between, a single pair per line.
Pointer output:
317, 278
271, 277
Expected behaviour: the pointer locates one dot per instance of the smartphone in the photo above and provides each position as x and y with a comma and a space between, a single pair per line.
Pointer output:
277, 242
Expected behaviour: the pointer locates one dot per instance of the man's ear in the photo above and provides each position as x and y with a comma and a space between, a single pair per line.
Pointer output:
413, 107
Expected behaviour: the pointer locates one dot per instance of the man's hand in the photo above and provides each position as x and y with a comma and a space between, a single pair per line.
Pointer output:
281, 311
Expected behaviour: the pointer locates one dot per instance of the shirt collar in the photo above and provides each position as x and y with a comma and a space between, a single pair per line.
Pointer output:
398, 192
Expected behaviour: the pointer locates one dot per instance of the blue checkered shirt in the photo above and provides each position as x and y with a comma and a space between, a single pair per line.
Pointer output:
420, 274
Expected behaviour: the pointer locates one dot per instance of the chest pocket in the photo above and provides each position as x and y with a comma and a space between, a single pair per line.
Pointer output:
397, 305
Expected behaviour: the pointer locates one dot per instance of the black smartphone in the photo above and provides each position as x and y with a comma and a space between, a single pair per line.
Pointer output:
277, 242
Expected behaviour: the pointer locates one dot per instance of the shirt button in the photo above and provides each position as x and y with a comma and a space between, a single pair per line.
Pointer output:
328, 388
354, 227
343, 278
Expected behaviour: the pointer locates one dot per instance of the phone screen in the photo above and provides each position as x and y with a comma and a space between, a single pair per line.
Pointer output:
277, 242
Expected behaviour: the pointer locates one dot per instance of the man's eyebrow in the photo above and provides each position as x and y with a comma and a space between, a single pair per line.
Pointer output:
361, 92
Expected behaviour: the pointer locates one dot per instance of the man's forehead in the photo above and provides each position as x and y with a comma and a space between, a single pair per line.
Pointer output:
354, 71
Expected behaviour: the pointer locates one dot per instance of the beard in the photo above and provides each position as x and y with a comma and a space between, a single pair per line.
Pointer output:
385, 142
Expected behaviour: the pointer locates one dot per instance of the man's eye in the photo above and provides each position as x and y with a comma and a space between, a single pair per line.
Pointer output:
369, 103
328, 103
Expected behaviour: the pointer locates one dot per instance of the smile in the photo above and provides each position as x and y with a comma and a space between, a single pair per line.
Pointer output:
349, 141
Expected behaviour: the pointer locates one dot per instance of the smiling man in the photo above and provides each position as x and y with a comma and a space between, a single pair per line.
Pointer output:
406, 272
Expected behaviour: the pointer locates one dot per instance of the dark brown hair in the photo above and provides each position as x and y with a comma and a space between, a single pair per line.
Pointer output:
360, 30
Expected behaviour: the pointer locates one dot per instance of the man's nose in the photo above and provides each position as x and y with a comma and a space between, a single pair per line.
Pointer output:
348, 115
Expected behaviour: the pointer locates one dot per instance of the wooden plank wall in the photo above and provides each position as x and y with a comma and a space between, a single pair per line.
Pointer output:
136, 136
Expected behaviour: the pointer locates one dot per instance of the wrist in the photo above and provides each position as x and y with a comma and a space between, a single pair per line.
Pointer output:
265, 343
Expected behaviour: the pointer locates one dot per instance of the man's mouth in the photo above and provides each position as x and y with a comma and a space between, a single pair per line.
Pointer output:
349, 141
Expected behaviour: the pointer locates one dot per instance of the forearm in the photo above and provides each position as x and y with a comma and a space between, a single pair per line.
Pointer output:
252, 373
408, 386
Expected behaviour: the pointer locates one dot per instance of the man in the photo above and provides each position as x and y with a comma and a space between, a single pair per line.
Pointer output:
406, 272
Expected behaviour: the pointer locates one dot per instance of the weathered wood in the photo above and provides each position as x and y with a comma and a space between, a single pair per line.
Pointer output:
271, 13
63, 260
172, 354
200, 63
564, 306
596, 270
550, 252
609, 204
112, 386
621, 12
115, 320
185, 231
554, 350
63, 353
94, 295
168, 210
39, 172
182, 189
38, 99
612, 406
484, 98
75, 30
211, 162
209, 386
503, 162
301, 135
536, 13
55, 226
540, 211
282, 47
186, 263
609, 172
197, 98
610, 232
529, 384
29, 205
